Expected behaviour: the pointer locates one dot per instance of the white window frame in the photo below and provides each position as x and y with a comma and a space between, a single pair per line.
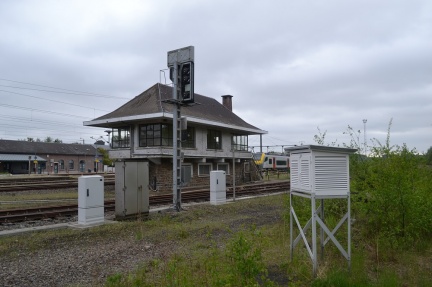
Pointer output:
203, 164
227, 169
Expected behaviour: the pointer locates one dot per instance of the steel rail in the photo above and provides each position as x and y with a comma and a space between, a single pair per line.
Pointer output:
44, 185
37, 213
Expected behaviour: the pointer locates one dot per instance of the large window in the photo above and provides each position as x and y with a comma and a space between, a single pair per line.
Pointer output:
204, 169
162, 135
240, 142
214, 139
156, 135
121, 137
188, 138
71, 164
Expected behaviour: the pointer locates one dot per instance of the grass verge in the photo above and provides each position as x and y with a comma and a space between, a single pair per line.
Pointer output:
245, 243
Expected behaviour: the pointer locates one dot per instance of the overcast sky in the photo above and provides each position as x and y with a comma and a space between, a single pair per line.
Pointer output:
291, 66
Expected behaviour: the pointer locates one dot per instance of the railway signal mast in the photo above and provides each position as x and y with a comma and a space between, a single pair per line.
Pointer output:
181, 65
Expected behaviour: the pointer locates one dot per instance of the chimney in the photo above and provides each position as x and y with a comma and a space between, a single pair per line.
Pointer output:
227, 102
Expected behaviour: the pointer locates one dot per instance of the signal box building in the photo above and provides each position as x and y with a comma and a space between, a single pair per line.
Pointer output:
142, 130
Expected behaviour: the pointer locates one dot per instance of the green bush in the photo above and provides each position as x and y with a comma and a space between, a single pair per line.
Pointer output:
392, 189
394, 193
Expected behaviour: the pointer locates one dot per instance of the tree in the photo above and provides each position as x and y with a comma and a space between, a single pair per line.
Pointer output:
106, 159
429, 156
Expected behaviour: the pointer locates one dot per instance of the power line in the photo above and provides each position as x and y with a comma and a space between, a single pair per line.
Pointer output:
39, 121
35, 127
40, 133
52, 100
44, 111
20, 119
61, 89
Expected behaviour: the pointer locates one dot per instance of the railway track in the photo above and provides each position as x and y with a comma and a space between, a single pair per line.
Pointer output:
15, 185
38, 213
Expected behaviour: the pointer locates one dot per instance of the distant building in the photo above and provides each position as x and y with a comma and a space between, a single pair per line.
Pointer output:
141, 130
23, 157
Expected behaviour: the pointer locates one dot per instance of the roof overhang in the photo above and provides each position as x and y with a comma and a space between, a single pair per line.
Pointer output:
303, 148
20, 157
108, 123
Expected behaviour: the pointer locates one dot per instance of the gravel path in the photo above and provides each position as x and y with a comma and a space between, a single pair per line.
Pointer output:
71, 264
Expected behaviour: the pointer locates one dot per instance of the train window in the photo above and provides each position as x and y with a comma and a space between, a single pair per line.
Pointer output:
270, 161
281, 162
224, 167
257, 156
204, 169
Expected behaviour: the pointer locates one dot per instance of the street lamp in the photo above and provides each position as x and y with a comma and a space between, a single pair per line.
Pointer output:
35, 163
85, 159
108, 134
364, 132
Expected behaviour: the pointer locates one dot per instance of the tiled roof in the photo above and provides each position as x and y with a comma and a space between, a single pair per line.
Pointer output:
41, 148
152, 101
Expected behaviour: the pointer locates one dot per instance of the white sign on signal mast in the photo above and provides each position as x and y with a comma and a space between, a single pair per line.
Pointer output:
181, 56
181, 64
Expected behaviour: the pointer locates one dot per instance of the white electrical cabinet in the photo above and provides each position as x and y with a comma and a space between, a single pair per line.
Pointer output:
217, 187
320, 170
131, 188
90, 199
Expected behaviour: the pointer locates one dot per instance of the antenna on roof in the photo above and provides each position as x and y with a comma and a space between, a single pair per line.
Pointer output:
160, 77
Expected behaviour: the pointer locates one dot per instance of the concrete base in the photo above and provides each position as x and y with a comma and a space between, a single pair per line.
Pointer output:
77, 225
217, 197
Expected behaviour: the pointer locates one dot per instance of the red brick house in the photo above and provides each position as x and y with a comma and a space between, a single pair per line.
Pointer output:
23, 157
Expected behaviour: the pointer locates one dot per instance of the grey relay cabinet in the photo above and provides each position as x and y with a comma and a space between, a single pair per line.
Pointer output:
319, 173
131, 188
320, 170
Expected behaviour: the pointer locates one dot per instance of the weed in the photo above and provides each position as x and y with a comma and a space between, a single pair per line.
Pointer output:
114, 280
